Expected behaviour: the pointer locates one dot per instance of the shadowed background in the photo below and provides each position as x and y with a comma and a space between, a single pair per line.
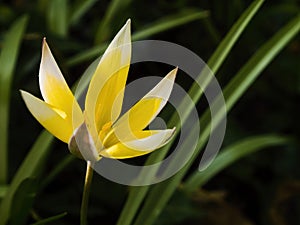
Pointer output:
263, 188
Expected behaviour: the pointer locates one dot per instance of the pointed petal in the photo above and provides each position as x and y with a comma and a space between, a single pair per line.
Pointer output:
143, 112
54, 88
145, 142
51, 118
106, 90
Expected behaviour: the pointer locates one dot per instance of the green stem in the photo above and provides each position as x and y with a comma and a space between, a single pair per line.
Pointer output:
86, 193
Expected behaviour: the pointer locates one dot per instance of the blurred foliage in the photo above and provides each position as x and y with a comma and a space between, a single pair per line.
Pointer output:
262, 188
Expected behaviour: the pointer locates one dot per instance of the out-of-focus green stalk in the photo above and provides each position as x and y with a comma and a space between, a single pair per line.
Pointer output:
233, 91
231, 154
57, 15
156, 27
104, 29
50, 219
79, 9
3, 190
31, 167
137, 194
8, 58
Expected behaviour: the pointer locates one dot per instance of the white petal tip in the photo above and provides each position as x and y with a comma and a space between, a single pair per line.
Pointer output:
172, 74
127, 27
24, 94
45, 47
44, 42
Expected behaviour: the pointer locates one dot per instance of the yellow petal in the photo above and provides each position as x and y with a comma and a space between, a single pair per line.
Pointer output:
144, 143
105, 93
143, 112
51, 118
55, 90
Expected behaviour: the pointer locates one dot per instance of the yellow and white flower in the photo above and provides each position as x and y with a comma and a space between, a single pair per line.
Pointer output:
99, 130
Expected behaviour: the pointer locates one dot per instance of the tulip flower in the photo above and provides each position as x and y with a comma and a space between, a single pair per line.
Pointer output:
99, 130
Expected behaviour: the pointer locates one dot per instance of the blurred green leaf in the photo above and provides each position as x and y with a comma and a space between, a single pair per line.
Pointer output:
258, 62
58, 168
3, 190
104, 29
6, 14
216, 61
33, 163
212, 30
233, 91
31, 167
22, 201
8, 59
137, 194
161, 25
170, 21
50, 219
79, 9
227, 43
57, 15
230, 155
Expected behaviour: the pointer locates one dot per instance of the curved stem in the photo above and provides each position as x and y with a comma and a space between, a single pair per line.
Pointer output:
86, 193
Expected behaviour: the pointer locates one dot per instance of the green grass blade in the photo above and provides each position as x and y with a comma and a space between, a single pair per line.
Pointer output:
50, 219
161, 25
58, 168
212, 30
170, 22
57, 14
137, 194
31, 167
135, 197
8, 59
227, 43
223, 50
22, 201
259, 61
80, 8
104, 29
233, 91
3, 190
216, 61
230, 155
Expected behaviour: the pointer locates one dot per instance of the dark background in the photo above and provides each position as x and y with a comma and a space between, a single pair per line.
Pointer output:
263, 188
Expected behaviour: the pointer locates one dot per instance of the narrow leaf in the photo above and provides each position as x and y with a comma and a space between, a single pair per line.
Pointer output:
169, 22
233, 91
80, 8
8, 59
57, 15
50, 219
133, 203
231, 154
3, 190
22, 201
161, 25
104, 29
227, 43
58, 168
31, 167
